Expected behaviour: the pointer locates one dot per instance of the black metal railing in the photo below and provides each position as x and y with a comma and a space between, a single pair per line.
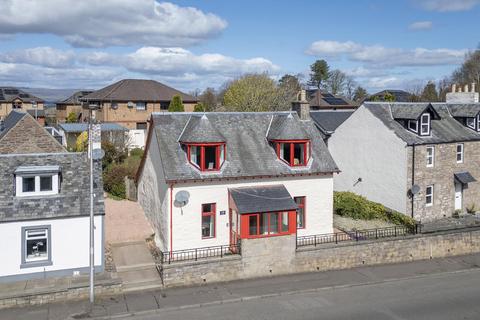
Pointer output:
200, 253
358, 235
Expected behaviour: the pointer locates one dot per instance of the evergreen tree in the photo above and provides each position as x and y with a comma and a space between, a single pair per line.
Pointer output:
429, 93
199, 107
176, 104
319, 73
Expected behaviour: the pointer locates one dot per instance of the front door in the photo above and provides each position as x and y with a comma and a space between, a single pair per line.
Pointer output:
458, 195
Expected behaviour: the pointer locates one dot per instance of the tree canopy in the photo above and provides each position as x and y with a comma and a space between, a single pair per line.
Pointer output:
176, 105
360, 94
429, 93
319, 73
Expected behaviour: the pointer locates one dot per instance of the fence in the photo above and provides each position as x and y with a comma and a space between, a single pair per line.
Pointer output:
200, 253
357, 235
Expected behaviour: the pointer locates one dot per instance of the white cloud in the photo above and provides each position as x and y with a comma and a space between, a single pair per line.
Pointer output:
381, 56
43, 56
93, 23
447, 5
420, 25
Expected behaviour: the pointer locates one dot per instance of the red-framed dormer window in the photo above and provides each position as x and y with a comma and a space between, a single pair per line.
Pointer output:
295, 153
206, 156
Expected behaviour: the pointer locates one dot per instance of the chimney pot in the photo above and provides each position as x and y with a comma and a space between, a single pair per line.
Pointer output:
454, 87
459, 89
465, 88
473, 87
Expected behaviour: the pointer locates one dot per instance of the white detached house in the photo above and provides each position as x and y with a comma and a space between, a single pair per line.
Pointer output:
212, 179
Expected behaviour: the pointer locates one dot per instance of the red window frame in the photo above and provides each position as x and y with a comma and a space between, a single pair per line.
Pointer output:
306, 152
212, 214
202, 146
302, 205
269, 234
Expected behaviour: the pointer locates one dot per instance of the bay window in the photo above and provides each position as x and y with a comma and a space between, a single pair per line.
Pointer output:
207, 157
294, 153
208, 220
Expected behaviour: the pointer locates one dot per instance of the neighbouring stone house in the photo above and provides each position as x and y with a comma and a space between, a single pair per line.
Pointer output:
210, 179
130, 102
421, 159
69, 105
15, 99
44, 204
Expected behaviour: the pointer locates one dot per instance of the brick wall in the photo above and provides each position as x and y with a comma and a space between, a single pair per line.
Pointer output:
263, 258
441, 177
29, 137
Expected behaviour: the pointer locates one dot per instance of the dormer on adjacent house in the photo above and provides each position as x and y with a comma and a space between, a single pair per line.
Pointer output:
466, 114
416, 118
290, 140
204, 145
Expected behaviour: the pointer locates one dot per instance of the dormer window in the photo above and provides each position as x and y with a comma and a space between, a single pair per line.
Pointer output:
295, 153
37, 181
413, 125
471, 123
206, 157
425, 124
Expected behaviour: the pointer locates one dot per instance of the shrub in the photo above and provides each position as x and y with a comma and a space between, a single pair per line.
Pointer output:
113, 180
112, 154
199, 107
136, 152
71, 118
472, 209
351, 205
176, 104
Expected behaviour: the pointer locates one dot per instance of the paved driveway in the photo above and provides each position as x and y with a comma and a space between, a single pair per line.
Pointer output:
125, 222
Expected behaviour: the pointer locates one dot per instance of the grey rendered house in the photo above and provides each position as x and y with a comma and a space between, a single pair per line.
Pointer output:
421, 159
44, 204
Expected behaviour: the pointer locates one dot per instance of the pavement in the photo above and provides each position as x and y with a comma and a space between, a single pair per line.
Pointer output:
206, 301
125, 221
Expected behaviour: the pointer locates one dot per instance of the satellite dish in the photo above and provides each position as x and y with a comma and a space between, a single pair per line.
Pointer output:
130, 104
181, 198
98, 154
415, 189
114, 106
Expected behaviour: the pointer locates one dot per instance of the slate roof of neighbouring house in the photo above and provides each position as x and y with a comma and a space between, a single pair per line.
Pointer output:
9, 94
200, 129
262, 199
81, 127
400, 95
286, 127
73, 199
10, 121
249, 154
324, 100
137, 90
470, 110
75, 97
443, 130
328, 121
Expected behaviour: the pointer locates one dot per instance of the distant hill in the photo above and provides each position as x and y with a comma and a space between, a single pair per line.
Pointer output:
51, 95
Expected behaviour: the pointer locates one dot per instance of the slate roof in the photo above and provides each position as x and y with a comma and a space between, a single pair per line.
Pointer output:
329, 121
262, 199
324, 100
464, 177
443, 130
10, 121
249, 154
470, 110
8, 94
73, 199
200, 129
286, 127
137, 90
75, 97
81, 127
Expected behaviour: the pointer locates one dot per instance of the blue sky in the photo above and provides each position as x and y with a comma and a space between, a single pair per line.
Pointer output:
198, 44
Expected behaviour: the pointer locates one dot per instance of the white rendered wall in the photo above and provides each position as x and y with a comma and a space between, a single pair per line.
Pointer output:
136, 138
318, 191
363, 147
69, 245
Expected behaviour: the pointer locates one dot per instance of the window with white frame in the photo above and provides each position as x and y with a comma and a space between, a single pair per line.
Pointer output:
36, 181
430, 156
413, 125
36, 246
429, 196
141, 106
478, 122
471, 123
460, 153
425, 124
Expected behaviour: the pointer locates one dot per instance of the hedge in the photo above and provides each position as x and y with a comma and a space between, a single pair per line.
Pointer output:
349, 204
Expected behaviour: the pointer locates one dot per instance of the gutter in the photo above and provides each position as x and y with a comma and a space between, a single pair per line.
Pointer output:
171, 218
413, 176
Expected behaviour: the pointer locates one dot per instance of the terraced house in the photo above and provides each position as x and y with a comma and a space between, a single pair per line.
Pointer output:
44, 204
421, 159
215, 178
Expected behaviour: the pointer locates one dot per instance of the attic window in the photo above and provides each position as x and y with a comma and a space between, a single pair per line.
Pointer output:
206, 157
413, 125
17, 105
425, 124
295, 153
471, 123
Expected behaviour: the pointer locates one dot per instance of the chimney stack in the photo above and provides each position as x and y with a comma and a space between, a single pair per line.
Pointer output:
462, 96
301, 106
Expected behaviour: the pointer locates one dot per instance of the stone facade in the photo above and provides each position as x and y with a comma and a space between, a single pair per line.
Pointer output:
441, 177
29, 137
321, 258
